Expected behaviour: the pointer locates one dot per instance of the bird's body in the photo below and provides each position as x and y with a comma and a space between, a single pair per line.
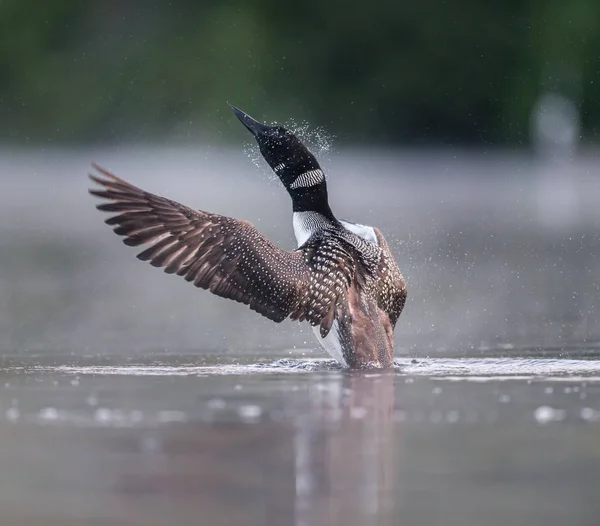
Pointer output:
342, 278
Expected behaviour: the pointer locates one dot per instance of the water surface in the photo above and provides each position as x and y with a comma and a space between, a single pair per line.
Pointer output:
158, 441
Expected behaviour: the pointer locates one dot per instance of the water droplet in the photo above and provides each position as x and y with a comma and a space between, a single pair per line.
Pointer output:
12, 414
48, 414
452, 416
103, 415
250, 413
588, 414
546, 414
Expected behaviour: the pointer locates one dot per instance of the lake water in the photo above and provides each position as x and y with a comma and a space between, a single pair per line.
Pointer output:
129, 397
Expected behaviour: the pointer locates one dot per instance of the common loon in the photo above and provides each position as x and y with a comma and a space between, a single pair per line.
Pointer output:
342, 278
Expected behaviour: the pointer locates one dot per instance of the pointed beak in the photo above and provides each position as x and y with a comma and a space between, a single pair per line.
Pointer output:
255, 127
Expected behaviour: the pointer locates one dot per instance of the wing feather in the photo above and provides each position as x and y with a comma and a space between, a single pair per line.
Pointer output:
391, 286
226, 256
333, 269
229, 257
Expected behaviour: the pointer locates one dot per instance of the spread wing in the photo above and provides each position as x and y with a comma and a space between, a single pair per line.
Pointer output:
391, 286
228, 257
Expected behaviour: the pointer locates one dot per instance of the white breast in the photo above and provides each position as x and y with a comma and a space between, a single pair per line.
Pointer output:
301, 230
331, 343
306, 224
364, 231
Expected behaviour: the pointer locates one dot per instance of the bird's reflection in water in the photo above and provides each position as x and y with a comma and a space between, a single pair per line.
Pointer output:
326, 456
344, 449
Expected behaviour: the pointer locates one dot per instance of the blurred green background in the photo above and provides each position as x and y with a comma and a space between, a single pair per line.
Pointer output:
431, 72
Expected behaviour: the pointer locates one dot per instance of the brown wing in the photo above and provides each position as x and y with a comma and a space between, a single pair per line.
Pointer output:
391, 286
229, 257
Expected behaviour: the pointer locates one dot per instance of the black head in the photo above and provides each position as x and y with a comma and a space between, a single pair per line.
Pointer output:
297, 168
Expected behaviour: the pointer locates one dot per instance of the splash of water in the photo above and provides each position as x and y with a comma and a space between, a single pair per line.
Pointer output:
316, 139
450, 369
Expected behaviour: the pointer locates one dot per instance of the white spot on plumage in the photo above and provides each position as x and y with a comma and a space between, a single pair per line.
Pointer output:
307, 179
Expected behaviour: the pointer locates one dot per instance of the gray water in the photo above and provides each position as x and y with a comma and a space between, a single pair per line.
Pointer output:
129, 397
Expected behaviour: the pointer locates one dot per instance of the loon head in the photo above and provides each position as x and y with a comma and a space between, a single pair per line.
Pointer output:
294, 164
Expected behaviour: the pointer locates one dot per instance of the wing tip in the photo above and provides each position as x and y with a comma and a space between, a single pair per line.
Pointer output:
104, 171
109, 177
324, 328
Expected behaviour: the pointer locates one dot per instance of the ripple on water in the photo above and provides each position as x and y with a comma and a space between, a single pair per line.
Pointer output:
452, 369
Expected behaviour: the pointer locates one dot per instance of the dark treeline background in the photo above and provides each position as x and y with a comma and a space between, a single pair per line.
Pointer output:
429, 72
